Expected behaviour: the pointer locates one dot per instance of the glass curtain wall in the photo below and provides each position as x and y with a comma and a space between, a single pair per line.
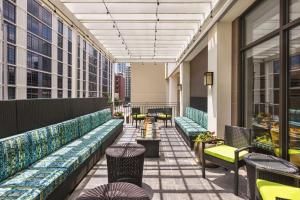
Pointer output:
271, 69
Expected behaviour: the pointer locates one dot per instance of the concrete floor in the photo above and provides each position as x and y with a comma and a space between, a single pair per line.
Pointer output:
174, 176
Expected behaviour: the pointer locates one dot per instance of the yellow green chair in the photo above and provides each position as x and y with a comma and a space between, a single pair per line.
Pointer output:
137, 115
230, 153
271, 185
165, 116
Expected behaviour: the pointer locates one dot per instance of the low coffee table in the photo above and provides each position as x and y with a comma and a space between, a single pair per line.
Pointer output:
116, 191
150, 139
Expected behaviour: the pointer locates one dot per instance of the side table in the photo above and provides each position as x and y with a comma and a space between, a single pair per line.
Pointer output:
254, 160
116, 191
125, 163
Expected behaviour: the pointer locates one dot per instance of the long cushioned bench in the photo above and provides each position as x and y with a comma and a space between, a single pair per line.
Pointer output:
192, 124
49, 162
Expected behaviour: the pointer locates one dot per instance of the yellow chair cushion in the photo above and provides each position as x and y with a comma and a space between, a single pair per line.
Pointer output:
138, 116
224, 152
270, 190
161, 115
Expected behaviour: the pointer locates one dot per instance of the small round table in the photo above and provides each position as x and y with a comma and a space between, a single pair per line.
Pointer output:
254, 160
125, 163
116, 191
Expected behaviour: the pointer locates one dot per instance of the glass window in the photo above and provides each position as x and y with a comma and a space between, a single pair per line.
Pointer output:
11, 32
39, 12
59, 93
69, 83
11, 93
69, 59
69, 47
69, 71
69, 94
9, 11
60, 82
38, 45
60, 27
294, 96
11, 54
38, 79
35, 61
69, 34
294, 9
32, 93
59, 54
262, 93
60, 68
11, 75
60, 41
262, 20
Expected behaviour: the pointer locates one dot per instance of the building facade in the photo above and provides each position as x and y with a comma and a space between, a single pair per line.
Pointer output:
44, 56
120, 87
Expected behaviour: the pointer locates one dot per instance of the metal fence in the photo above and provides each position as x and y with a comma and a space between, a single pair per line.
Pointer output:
145, 107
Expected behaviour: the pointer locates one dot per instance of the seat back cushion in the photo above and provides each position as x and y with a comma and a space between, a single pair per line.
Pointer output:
197, 116
14, 155
84, 124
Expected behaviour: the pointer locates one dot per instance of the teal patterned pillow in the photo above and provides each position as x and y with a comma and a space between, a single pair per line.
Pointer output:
71, 130
14, 155
54, 137
38, 144
84, 124
95, 121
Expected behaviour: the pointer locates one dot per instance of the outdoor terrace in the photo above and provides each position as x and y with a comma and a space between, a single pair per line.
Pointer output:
174, 176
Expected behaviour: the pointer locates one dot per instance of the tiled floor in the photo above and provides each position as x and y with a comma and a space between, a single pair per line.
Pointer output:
174, 176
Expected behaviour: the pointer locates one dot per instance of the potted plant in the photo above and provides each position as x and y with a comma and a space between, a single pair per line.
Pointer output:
203, 137
119, 115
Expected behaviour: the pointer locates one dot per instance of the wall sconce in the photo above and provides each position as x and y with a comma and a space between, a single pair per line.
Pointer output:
179, 87
208, 78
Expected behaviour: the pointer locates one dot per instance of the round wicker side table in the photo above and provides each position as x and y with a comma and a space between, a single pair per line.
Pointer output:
115, 191
254, 160
125, 163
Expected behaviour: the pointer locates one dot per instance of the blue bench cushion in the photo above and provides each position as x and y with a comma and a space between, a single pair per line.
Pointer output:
19, 193
44, 180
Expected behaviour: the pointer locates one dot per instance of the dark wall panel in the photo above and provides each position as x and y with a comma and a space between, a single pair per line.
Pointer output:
8, 122
199, 103
24, 115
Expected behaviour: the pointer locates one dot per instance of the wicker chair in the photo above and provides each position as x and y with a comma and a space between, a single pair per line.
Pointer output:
166, 116
271, 184
137, 115
230, 154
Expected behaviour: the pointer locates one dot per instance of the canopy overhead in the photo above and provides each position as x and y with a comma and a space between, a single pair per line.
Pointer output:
157, 30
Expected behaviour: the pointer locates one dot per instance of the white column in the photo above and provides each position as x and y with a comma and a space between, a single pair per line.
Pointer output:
21, 51
219, 62
185, 82
172, 89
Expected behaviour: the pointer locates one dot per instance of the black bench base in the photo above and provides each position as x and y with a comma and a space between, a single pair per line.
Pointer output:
189, 140
76, 176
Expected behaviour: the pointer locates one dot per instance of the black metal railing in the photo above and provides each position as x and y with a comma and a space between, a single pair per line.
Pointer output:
145, 107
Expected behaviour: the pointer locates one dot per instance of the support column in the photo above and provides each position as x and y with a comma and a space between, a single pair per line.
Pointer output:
172, 89
185, 82
219, 62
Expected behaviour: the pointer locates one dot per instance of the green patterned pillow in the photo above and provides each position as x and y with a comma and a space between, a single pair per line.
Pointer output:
38, 144
84, 124
14, 155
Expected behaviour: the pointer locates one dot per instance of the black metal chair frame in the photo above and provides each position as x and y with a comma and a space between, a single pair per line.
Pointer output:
166, 112
134, 113
229, 165
276, 176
